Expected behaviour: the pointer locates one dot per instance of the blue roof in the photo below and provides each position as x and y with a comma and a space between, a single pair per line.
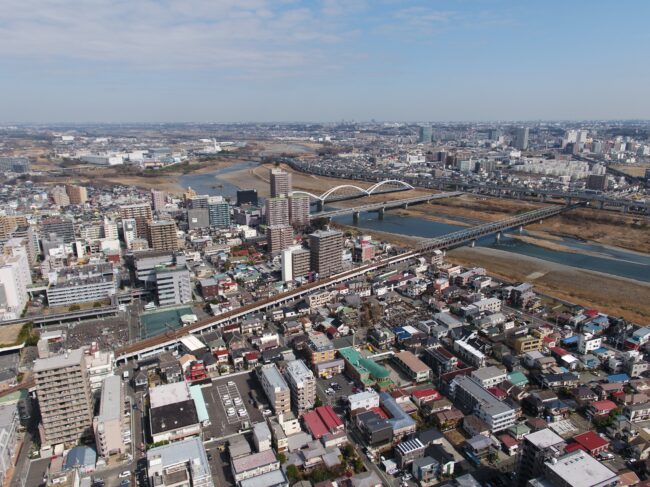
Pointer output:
600, 350
618, 378
400, 419
592, 328
80, 456
570, 340
199, 403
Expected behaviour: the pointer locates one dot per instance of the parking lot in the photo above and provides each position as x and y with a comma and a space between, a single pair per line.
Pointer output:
244, 387
342, 389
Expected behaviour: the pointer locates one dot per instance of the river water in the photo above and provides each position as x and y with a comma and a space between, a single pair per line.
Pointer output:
585, 255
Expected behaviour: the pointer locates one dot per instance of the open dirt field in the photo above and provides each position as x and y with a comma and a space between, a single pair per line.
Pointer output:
633, 170
613, 295
9, 334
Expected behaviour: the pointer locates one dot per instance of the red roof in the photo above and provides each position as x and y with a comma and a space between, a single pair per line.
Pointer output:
220, 353
380, 412
591, 441
559, 351
605, 405
252, 356
508, 440
571, 447
423, 393
321, 421
499, 393
591, 313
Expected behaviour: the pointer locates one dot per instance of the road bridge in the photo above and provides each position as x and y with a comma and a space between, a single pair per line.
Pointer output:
383, 206
344, 192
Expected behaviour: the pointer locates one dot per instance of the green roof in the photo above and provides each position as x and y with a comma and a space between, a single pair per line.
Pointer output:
376, 370
517, 378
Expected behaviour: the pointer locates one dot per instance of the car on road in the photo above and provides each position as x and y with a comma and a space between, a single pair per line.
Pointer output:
125, 483
605, 455
267, 412
124, 475
406, 477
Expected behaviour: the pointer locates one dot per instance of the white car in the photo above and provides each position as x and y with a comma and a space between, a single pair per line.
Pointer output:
231, 411
242, 412
227, 402
267, 412
231, 383
125, 474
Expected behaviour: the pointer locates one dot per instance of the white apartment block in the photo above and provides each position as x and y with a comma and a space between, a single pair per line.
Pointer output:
302, 383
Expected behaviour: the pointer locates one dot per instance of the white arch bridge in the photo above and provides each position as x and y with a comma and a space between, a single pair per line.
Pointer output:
351, 191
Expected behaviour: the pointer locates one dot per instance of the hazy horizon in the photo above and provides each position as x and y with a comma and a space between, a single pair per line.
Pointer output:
302, 61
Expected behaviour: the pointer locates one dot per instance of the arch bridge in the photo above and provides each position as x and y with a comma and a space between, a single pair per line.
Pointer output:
351, 191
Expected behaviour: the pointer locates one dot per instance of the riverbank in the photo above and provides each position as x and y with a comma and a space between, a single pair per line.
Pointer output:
615, 230
613, 295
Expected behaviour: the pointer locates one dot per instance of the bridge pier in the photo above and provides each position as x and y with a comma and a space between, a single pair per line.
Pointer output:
355, 217
381, 213
521, 229
319, 205
498, 236
472, 243
405, 206
601, 204
625, 209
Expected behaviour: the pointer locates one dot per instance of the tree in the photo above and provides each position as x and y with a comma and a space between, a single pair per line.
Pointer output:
292, 473
282, 458
318, 403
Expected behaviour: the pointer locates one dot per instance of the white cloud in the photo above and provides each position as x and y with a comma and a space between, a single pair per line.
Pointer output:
251, 36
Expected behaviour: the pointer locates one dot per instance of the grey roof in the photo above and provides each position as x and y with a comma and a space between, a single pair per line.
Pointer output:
72, 357
485, 373
579, 469
109, 406
399, 418
274, 478
186, 451
544, 438
488, 402
82, 456
274, 377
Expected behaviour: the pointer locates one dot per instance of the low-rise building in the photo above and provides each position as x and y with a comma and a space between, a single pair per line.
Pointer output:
108, 425
471, 397
254, 465
183, 463
417, 370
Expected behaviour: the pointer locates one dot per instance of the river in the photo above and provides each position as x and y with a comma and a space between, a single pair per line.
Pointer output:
584, 255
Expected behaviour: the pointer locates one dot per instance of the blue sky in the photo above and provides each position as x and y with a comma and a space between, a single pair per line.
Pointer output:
323, 60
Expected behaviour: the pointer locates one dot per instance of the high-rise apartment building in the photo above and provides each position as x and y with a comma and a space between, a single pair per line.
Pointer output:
276, 388
280, 183
64, 398
199, 201
25, 233
158, 200
218, 212
9, 223
60, 196
173, 284
78, 195
278, 238
536, 448
521, 138
302, 383
14, 279
110, 229
61, 227
247, 197
198, 218
299, 210
162, 235
295, 263
326, 252
277, 211
142, 215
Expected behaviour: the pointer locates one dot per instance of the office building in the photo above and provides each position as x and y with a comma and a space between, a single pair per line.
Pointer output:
302, 383
219, 212
82, 284
14, 164
60, 227
181, 464
162, 235
521, 138
59, 196
295, 263
158, 200
142, 215
78, 195
197, 201
173, 284
15, 277
247, 197
425, 134
471, 397
129, 231
64, 398
537, 448
278, 238
326, 252
276, 388
277, 211
172, 415
597, 182
108, 425
299, 210
280, 183
198, 218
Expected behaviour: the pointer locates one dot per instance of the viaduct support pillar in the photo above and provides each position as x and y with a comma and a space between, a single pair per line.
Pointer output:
498, 236
601, 204
381, 213
319, 205
472, 243
521, 229
355, 217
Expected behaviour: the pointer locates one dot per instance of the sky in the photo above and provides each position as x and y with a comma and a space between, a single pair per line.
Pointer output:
323, 60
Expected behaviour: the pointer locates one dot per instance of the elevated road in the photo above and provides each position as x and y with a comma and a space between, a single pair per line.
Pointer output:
170, 339
384, 205
472, 234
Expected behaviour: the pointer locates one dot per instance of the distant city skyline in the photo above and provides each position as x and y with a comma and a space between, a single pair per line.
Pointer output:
327, 60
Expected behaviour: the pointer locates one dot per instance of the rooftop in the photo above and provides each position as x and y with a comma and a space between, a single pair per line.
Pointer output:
544, 438
67, 359
110, 404
579, 469
274, 377
169, 394
253, 461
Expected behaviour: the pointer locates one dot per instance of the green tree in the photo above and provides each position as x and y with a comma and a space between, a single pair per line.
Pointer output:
318, 403
282, 458
292, 473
